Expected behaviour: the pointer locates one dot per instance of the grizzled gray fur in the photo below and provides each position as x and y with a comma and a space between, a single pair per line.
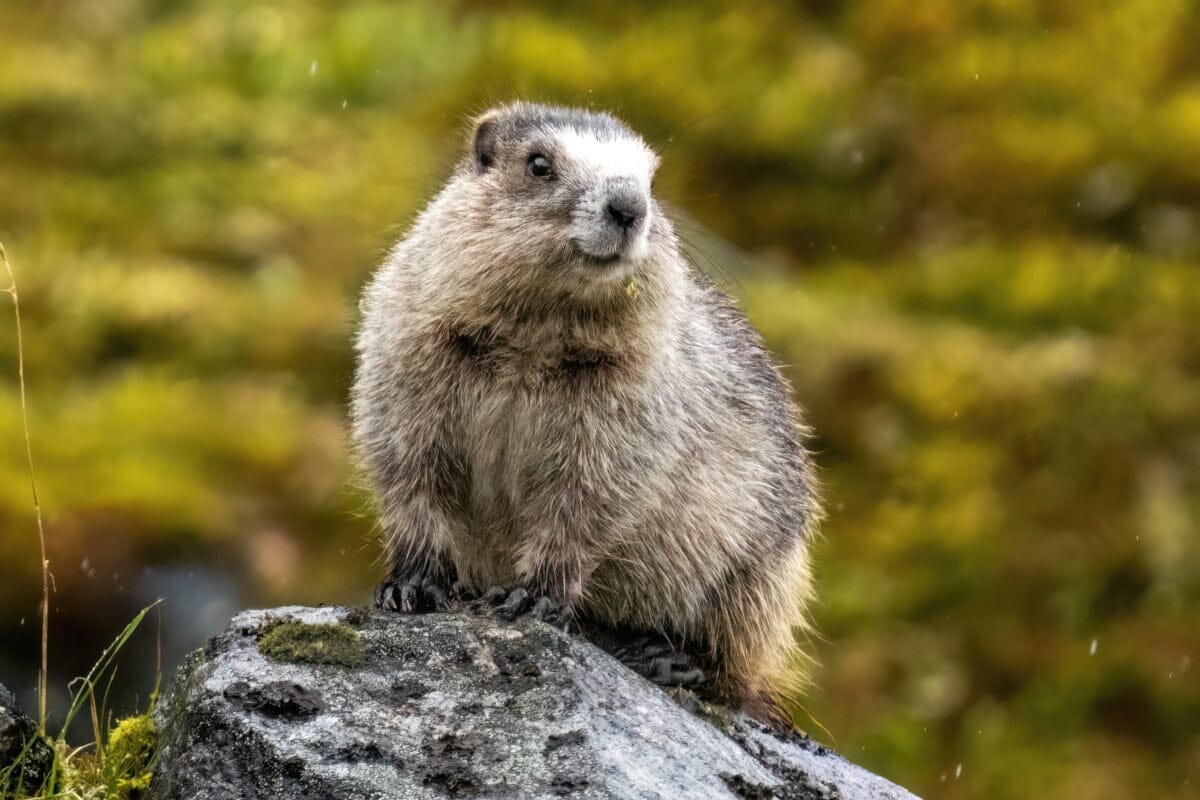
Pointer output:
549, 396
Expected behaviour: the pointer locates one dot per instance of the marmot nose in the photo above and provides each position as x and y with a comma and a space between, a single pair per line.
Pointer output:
621, 215
625, 210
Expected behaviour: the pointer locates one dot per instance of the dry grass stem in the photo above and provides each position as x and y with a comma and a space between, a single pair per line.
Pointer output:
37, 506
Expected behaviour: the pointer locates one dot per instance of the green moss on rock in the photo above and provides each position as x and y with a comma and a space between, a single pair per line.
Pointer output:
357, 615
719, 715
301, 642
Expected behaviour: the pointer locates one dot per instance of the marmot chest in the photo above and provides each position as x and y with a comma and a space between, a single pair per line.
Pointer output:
516, 397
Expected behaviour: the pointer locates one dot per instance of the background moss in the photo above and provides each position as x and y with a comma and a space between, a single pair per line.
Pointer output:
969, 229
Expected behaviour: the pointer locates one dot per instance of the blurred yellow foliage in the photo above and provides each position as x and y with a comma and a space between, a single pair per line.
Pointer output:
970, 232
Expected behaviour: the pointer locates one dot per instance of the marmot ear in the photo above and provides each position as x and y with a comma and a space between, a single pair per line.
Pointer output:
485, 141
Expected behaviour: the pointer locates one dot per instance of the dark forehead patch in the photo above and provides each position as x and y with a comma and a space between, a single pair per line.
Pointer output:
523, 120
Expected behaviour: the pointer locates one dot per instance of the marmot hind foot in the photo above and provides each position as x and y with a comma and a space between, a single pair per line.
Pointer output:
659, 661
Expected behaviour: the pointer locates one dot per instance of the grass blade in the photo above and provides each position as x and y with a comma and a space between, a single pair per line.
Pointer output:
102, 664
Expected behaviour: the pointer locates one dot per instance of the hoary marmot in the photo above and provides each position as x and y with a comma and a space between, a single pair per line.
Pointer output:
551, 399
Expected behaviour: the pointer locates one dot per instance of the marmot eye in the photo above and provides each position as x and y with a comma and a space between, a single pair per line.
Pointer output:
540, 166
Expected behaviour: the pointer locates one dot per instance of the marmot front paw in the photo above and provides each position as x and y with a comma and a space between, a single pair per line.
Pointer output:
414, 593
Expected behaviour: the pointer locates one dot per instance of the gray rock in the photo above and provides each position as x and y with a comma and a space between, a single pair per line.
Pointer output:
454, 705
25, 757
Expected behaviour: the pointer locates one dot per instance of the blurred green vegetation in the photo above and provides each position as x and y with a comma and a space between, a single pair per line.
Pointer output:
972, 236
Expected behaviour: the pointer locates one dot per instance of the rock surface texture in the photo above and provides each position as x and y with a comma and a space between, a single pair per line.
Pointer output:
19, 741
454, 705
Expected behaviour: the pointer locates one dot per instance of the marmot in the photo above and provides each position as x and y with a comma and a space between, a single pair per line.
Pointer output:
550, 398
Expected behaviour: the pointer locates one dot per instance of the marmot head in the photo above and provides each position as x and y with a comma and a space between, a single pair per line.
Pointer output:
565, 188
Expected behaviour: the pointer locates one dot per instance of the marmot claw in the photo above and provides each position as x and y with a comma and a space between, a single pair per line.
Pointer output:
415, 594
659, 662
511, 604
